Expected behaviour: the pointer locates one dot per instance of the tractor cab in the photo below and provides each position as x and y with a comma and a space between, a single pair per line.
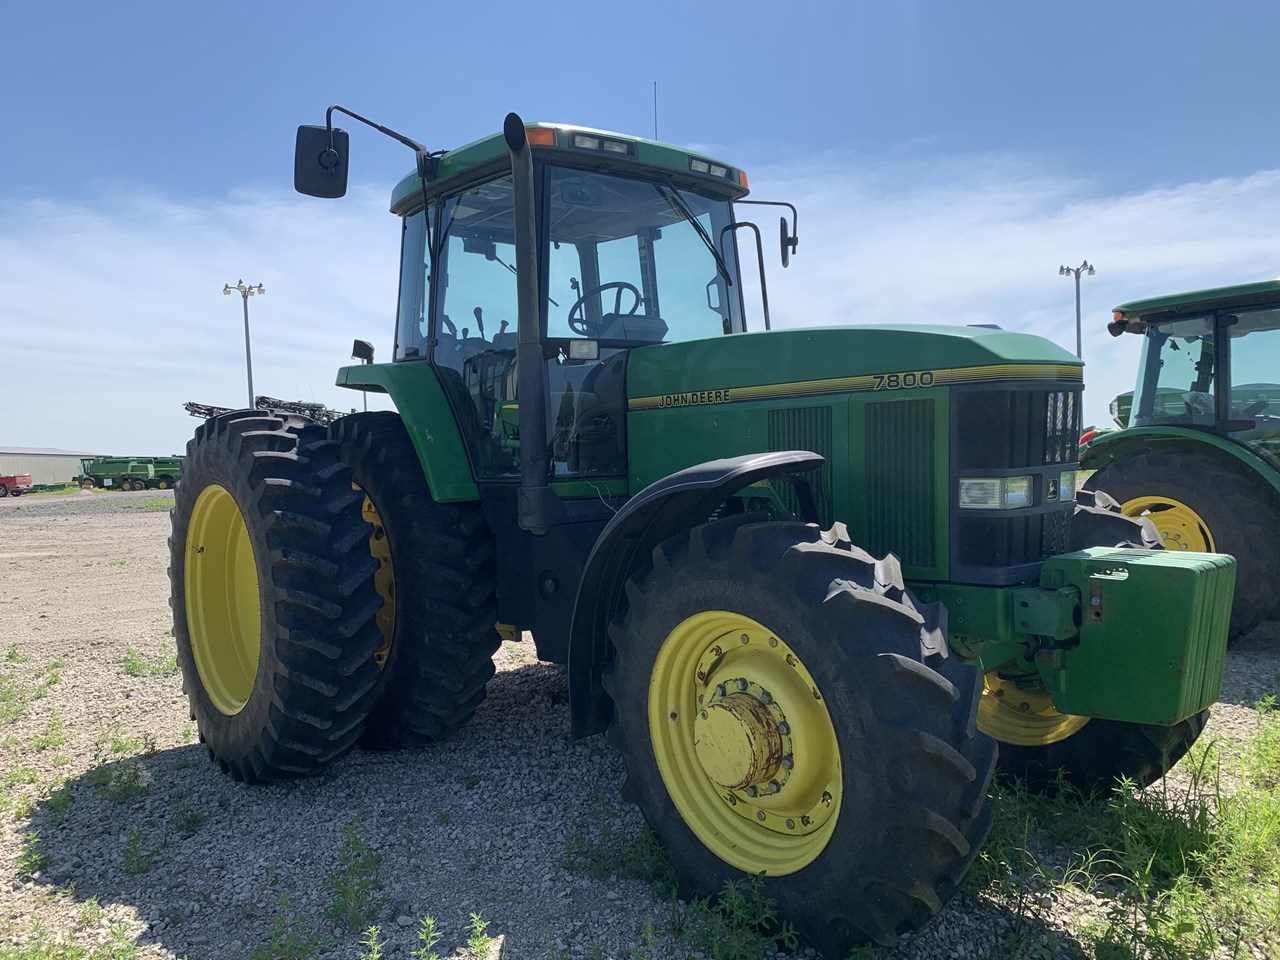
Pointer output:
1210, 362
629, 255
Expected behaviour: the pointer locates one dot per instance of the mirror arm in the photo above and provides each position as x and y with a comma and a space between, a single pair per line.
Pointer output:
792, 241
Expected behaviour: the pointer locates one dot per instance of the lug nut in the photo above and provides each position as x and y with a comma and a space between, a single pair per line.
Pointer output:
791, 824
774, 786
788, 762
784, 728
703, 715
773, 641
741, 684
745, 638
760, 815
752, 791
766, 697
720, 690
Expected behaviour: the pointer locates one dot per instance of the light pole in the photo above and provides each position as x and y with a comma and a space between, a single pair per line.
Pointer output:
1085, 267
245, 294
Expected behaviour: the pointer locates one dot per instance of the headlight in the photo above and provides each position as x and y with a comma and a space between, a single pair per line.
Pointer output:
1067, 486
995, 493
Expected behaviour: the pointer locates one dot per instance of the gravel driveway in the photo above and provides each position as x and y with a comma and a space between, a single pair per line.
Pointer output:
147, 840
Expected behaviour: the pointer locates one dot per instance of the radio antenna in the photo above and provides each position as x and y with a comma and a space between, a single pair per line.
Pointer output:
655, 109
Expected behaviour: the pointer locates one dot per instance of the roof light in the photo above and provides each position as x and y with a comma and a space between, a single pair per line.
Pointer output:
586, 141
710, 168
699, 166
718, 171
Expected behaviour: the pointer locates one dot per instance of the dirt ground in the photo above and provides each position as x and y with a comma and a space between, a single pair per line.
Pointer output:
140, 838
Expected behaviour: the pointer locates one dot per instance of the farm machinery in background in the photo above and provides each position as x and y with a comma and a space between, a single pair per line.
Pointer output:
129, 473
1198, 449
653, 487
316, 411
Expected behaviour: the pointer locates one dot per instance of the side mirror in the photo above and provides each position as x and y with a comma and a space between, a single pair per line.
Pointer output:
320, 162
362, 350
788, 240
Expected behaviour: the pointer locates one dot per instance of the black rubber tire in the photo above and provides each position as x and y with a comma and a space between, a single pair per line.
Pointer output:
316, 675
4, 491
915, 771
445, 589
1241, 513
1103, 752
162, 484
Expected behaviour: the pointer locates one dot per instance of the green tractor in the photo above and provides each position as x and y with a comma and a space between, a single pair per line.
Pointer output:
1199, 452
589, 445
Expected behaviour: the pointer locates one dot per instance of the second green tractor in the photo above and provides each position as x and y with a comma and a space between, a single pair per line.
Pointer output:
809, 581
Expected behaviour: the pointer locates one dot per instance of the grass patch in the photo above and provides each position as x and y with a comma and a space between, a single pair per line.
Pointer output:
149, 506
53, 735
31, 853
1186, 871
601, 850
161, 664
740, 923
45, 946
138, 856
14, 655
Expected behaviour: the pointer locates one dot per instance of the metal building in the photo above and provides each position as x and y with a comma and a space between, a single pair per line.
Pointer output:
45, 464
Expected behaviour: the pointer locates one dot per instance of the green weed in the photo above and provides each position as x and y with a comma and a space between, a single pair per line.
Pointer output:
354, 888
186, 818
149, 506
478, 941
31, 853
740, 923
137, 857
428, 936
161, 664
15, 655
600, 850
289, 938
53, 735
373, 944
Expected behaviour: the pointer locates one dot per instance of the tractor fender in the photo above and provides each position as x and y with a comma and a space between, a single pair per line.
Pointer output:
658, 512
420, 399
1104, 449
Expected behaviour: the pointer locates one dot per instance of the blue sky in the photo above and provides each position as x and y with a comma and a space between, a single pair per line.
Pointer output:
946, 158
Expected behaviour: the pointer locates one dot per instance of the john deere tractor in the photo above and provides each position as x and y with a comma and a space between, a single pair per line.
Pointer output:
1198, 455
794, 574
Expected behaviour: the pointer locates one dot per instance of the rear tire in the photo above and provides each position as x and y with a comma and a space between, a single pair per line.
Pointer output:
1198, 503
4, 491
1097, 753
273, 597
892, 782
439, 638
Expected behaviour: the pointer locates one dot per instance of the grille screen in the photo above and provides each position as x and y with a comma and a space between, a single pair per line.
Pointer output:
806, 428
900, 498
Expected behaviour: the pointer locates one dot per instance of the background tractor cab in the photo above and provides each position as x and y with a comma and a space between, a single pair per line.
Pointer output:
1197, 452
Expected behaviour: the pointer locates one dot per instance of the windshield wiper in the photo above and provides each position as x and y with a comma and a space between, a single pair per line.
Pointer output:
669, 193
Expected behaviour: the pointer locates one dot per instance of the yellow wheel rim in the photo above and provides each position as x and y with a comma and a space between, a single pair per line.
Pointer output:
1022, 714
744, 743
384, 581
224, 618
1180, 527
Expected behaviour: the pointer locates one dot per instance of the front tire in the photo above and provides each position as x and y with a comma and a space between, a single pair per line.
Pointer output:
783, 708
273, 597
438, 579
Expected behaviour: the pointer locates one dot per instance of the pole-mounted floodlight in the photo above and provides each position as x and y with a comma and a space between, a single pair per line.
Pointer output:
246, 291
1085, 268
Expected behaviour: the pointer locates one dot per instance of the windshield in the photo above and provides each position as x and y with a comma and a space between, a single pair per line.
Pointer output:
1187, 363
637, 261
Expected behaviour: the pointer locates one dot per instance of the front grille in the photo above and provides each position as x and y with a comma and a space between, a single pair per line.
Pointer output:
1010, 432
1001, 429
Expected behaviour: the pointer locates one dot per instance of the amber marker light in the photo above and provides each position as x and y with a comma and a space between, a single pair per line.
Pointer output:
541, 136
742, 178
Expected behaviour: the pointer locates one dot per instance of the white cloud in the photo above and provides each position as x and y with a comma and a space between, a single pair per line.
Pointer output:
980, 241
111, 314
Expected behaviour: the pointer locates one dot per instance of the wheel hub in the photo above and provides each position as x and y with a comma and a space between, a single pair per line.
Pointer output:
1022, 713
737, 738
1180, 527
744, 743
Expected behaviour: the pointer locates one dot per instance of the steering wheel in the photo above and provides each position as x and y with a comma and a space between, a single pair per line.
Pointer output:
577, 319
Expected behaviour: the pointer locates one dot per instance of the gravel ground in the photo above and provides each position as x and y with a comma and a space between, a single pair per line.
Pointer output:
187, 863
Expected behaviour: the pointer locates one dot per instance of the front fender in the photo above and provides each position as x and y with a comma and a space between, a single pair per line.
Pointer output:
1103, 449
658, 512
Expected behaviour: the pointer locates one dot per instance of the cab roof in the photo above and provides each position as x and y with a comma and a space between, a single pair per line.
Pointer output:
1200, 301
639, 151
